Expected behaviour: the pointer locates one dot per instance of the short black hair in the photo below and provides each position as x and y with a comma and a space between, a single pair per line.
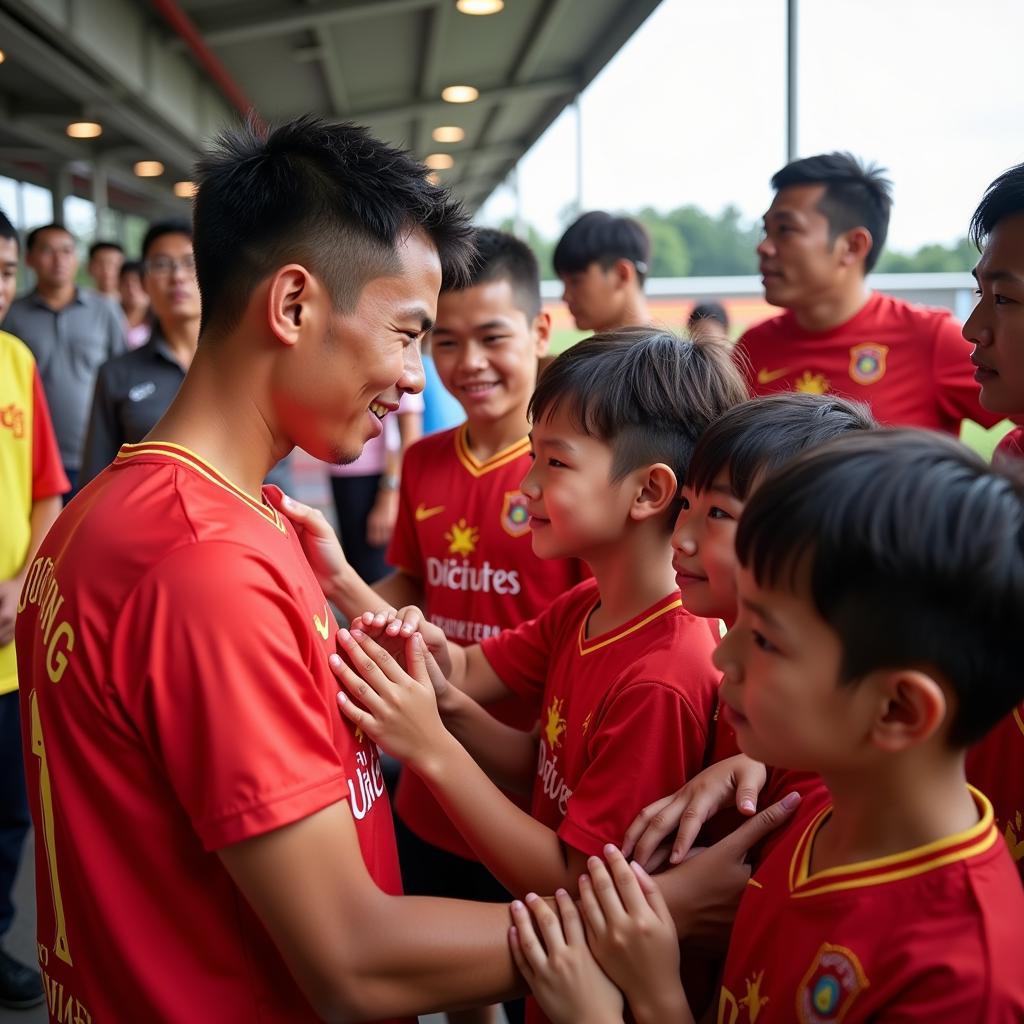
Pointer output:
708, 311
645, 392
1002, 199
101, 245
329, 196
758, 436
913, 548
30, 241
159, 228
8, 230
130, 267
503, 257
599, 237
857, 195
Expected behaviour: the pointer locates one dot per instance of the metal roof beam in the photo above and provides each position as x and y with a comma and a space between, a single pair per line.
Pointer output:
238, 27
527, 91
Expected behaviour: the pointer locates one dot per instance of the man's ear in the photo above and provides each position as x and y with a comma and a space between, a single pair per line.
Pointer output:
912, 708
541, 328
857, 244
624, 271
292, 295
656, 491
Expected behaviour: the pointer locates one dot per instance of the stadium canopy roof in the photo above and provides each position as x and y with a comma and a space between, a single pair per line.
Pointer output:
162, 76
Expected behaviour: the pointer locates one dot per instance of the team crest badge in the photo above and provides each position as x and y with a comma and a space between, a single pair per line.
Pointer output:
867, 363
515, 520
830, 986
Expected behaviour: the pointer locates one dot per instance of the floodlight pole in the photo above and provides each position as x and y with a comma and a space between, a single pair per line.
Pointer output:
791, 91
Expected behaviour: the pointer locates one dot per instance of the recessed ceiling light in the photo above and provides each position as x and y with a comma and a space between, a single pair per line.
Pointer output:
440, 161
459, 94
84, 129
448, 133
184, 189
149, 168
479, 6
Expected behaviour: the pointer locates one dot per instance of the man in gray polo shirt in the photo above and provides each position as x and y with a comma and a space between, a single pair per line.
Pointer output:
71, 331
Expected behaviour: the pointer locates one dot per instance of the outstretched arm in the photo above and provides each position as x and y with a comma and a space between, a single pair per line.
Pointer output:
397, 709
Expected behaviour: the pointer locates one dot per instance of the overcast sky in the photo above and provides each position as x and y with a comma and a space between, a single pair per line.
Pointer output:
692, 110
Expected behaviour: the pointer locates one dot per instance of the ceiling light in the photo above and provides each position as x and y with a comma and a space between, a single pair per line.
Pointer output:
459, 94
84, 129
448, 133
149, 168
3, 56
440, 161
184, 189
479, 6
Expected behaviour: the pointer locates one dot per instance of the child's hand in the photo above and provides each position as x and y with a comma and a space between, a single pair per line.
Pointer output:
691, 807
398, 709
319, 542
402, 624
633, 937
562, 973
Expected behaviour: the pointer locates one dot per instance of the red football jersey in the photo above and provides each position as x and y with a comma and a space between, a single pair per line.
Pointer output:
932, 934
464, 531
996, 767
910, 364
176, 699
626, 715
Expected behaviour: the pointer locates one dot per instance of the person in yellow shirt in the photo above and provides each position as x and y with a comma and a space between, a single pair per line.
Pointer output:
31, 482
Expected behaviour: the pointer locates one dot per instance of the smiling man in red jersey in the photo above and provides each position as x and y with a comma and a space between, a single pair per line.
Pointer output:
214, 842
996, 328
823, 233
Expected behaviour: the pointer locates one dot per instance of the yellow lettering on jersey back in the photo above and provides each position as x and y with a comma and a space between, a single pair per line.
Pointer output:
38, 747
41, 588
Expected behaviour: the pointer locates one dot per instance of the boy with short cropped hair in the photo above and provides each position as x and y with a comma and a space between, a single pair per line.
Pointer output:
856, 656
602, 261
622, 671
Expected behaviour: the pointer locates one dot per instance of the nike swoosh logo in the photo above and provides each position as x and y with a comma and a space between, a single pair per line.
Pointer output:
767, 376
323, 628
422, 512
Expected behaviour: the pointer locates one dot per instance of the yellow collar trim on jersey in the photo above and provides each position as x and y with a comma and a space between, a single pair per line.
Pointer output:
895, 867
196, 462
596, 645
496, 461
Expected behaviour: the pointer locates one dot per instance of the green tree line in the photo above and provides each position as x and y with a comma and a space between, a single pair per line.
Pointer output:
689, 242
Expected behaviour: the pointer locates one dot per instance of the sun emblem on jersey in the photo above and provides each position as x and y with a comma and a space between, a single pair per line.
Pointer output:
867, 363
515, 520
753, 1000
462, 539
812, 383
556, 725
830, 986
1014, 835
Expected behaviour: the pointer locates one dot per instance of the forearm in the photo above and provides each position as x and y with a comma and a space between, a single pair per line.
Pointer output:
656, 1007
353, 595
438, 955
507, 755
44, 515
523, 854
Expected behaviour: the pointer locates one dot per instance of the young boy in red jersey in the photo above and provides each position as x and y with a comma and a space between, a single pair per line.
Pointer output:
855, 655
622, 671
823, 233
462, 546
996, 328
732, 458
